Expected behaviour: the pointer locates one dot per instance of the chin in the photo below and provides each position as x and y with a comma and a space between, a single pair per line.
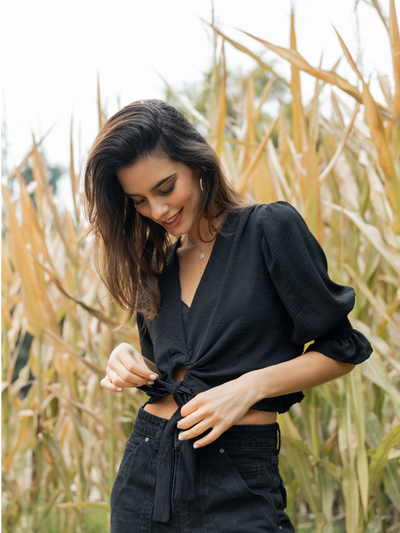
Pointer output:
173, 232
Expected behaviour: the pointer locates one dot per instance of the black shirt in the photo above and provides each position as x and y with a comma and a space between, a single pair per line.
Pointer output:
264, 294
185, 313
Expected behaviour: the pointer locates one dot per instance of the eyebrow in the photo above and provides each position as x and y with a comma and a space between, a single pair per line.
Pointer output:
155, 186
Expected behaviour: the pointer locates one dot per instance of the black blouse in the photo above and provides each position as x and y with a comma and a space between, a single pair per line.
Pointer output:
185, 313
264, 294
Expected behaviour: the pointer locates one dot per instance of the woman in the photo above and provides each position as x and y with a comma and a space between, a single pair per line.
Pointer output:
226, 293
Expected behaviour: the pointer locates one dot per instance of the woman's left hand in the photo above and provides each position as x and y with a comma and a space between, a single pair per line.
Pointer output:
218, 408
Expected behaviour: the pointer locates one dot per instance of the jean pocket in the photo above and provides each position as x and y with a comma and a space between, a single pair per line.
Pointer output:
131, 494
131, 446
236, 489
125, 478
248, 458
252, 464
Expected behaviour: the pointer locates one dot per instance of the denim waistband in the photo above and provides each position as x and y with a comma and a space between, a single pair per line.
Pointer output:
149, 424
250, 435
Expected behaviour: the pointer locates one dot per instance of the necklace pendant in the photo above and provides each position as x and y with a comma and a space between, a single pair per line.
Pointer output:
201, 256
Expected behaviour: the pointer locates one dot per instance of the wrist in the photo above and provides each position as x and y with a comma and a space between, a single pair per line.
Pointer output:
253, 385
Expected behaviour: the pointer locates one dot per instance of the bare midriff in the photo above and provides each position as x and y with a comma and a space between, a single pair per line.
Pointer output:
165, 407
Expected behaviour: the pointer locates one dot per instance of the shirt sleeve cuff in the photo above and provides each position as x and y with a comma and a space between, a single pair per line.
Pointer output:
344, 344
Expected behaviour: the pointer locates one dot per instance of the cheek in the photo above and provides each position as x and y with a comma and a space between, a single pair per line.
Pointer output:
185, 194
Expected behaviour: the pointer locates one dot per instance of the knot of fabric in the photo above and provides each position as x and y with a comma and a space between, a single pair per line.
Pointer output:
185, 468
173, 388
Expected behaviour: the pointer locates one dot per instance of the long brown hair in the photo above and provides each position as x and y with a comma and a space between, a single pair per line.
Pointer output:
130, 250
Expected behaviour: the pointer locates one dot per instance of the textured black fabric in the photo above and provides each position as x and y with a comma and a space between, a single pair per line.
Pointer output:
185, 313
265, 292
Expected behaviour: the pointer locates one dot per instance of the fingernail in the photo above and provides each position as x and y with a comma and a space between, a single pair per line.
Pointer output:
150, 383
180, 437
195, 446
119, 389
153, 376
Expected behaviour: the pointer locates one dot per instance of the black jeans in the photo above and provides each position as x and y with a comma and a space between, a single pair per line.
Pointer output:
238, 485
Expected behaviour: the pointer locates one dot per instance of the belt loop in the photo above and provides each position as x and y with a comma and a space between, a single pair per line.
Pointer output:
279, 439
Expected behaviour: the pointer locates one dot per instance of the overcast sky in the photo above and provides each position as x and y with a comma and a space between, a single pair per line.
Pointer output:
52, 51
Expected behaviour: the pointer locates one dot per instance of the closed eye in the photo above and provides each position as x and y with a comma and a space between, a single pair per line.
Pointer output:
163, 193
168, 191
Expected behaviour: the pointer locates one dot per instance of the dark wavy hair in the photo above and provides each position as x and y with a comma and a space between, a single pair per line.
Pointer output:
130, 250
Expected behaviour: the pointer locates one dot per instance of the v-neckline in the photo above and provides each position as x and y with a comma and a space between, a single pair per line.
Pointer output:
209, 262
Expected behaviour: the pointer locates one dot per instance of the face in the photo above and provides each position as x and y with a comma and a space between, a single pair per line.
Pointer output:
162, 189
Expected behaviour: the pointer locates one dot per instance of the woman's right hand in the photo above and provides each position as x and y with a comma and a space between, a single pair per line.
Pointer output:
126, 368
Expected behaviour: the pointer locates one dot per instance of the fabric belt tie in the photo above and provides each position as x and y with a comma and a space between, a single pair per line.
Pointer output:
185, 480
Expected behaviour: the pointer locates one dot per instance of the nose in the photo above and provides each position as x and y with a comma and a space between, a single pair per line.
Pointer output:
158, 210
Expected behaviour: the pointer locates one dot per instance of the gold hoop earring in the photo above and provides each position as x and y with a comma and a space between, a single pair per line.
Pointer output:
201, 184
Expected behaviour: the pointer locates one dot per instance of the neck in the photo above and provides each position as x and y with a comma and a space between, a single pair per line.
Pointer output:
205, 233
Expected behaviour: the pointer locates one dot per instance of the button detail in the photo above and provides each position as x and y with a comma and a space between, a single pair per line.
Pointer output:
221, 450
280, 527
146, 439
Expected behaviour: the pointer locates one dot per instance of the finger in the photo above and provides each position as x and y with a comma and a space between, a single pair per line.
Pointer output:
195, 431
120, 382
109, 385
123, 378
140, 369
209, 438
190, 420
191, 406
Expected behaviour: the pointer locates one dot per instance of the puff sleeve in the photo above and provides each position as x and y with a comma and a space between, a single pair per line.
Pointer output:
144, 337
317, 306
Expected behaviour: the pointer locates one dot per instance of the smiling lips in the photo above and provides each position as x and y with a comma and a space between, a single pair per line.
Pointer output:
173, 221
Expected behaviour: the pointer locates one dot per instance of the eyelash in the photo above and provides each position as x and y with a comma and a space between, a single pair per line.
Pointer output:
164, 193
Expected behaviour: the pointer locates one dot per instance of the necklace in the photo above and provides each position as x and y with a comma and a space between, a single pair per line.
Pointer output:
201, 253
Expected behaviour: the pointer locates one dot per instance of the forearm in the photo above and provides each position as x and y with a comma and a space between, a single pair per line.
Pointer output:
221, 407
301, 373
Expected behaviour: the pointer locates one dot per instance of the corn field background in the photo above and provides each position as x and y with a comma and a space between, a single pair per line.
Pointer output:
63, 435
